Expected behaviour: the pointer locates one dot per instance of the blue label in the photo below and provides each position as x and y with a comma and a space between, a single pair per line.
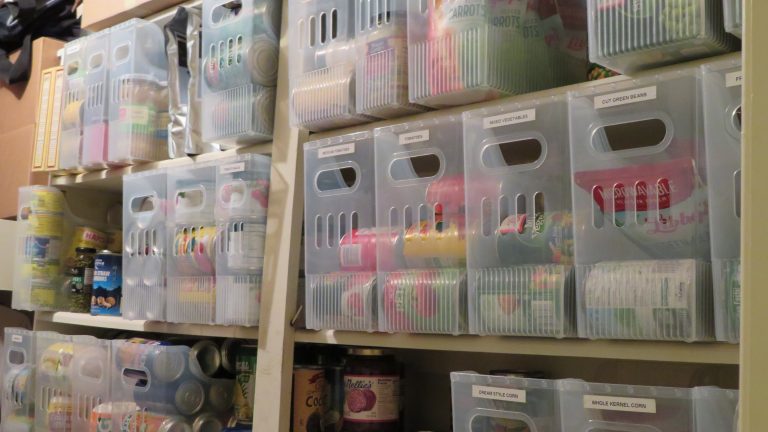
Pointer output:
107, 285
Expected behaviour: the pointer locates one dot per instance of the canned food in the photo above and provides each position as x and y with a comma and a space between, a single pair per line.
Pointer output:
221, 394
309, 396
17, 386
151, 422
104, 416
42, 248
60, 414
207, 423
43, 295
246, 383
186, 398
107, 284
81, 280
162, 363
44, 200
46, 225
85, 237
56, 360
228, 351
115, 242
334, 411
207, 356
190, 397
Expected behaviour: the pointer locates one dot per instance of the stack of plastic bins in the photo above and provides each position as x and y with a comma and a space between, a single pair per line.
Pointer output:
420, 241
519, 222
138, 109
629, 36
461, 53
716, 409
90, 371
96, 105
613, 407
722, 115
484, 403
18, 365
340, 234
43, 229
74, 61
192, 242
162, 387
53, 382
242, 189
145, 206
382, 61
733, 21
240, 70
640, 210
322, 64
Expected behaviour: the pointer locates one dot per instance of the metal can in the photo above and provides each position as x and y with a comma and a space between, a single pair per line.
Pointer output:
246, 383
309, 396
228, 351
104, 416
186, 398
151, 422
206, 355
163, 363
207, 423
334, 410
46, 225
85, 237
46, 200
107, 284
221, 394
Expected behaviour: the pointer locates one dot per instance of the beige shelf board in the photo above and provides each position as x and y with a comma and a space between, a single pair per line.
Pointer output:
112, 179
678, 352
7, 254
119, 323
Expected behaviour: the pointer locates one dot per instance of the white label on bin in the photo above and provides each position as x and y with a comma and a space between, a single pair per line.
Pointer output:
73, 49
612, 403
625, 97
16, 338
509, 119
337, 150
414, 137
734, 79
498, 393
232, 168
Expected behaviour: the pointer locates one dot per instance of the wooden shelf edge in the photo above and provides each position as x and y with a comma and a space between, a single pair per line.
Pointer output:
677, 352
119, 323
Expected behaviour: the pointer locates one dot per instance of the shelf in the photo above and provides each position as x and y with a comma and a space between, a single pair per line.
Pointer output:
118, 323
8, 255
112, 179
678, 352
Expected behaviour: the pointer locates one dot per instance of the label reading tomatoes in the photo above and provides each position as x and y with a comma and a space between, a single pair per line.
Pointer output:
371, 398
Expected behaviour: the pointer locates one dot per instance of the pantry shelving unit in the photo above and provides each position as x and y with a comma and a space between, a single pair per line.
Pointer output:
277, 335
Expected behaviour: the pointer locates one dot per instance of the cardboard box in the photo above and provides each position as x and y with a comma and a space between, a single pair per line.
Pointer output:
16, 150
21, 99
45, 156
100, 14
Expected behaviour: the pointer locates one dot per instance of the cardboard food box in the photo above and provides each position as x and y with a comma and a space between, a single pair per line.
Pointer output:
100, 14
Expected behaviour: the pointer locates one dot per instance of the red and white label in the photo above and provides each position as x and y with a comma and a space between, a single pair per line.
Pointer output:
371, 398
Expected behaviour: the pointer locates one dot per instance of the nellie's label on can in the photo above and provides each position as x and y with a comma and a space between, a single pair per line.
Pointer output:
107, 284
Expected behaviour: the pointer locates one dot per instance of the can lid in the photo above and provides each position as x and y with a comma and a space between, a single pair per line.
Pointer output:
89, 250
107, 252
368, 352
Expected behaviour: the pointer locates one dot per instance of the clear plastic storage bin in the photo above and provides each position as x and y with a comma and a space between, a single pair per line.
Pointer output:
138, 112
627, 36
18, 366
43, 230
145, 207
74, 62
588, 407
382, 58
90, 373
484, 403
322, 64
716, 409
640, 209
420, 239
240, 56
722, 115
733, 20
53, 382
340, 233
162, 387
462, 52
192, 242
242, 189
519, 221
96, 105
